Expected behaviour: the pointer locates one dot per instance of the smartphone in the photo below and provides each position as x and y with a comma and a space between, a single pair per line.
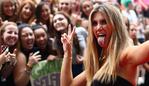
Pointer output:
4, 48
6, 67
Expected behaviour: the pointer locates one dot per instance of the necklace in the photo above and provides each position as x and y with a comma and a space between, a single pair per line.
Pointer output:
101, 60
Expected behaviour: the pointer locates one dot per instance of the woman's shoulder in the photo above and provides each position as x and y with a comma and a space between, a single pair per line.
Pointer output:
20, 55
136, 55
127, 55
80, 80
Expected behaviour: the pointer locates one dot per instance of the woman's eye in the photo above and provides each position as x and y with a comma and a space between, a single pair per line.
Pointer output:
94, 23
103, 22
16, 33
9, 32
60, 19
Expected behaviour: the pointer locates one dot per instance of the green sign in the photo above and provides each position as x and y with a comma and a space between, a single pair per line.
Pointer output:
46, 73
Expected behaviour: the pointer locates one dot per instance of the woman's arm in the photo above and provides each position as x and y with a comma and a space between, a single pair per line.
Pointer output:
21, 77
137, 55
23, 69
66, 78
66, 70
80, 80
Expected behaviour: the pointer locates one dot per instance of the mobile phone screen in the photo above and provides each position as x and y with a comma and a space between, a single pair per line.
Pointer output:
7, 67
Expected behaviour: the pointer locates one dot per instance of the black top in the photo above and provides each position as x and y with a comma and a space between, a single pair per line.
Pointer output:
118, 82
9, 81
47, 51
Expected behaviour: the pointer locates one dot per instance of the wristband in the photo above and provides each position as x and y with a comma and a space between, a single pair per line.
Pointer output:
28, 72
28, 67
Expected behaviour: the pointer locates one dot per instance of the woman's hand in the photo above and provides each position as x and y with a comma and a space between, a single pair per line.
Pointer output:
34, 58
4, 56
12, 57
67, 40
66, 69
79, 59
51, 58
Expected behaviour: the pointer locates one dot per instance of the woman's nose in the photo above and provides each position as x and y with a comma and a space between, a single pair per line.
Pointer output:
29, 37
99, 26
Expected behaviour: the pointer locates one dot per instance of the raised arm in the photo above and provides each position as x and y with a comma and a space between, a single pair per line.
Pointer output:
23, 69
66, 78
138, 54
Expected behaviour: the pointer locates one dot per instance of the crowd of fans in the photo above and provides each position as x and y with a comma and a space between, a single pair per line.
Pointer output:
30, 31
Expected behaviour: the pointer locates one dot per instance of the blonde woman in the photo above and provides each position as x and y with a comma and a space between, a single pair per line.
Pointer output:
110, 59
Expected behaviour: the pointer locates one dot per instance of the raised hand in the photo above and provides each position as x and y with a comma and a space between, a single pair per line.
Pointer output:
79, 59
4, 56
34, 58
51, 58
12, 57
67, 40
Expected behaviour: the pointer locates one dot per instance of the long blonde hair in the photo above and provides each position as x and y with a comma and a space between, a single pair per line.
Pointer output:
117, 42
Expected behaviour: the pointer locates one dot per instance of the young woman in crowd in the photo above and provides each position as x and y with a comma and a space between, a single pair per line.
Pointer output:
61, 22
52, 5
8, 10
26, 12
43, 43
109, 58
86, 8
132, 30
8, 52
27, 56
65, 6
43, 17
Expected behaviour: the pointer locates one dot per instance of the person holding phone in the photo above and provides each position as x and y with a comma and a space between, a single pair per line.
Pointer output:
8, 52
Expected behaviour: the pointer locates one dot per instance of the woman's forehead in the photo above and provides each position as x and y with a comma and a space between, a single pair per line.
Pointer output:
98, 15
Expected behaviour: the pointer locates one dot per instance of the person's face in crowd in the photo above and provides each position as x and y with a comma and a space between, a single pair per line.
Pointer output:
60, 22
49, 2
27, 38
133, 31
101, 29
26, 12
74, 4
64, 5
8, 8
45, 12
138, 8
87, 7
40, 38
10, 35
